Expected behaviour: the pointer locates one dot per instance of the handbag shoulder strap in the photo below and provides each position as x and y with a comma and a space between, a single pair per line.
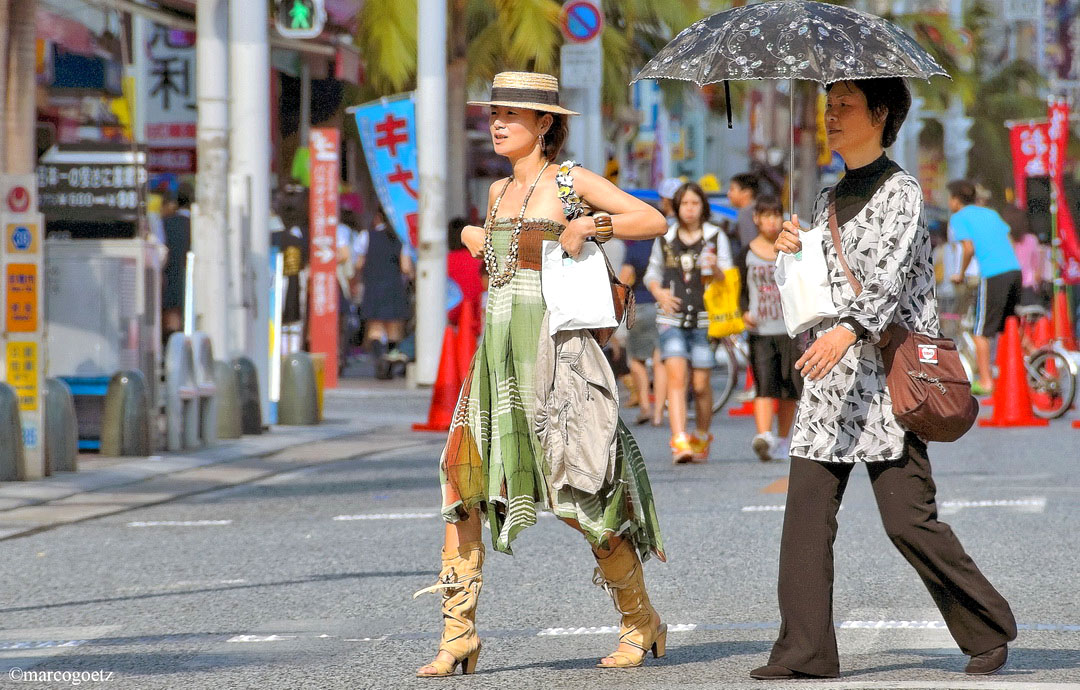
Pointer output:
834, 228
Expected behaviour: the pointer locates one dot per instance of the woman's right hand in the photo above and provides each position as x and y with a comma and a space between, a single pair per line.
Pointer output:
789, 241
669, 303
473, 239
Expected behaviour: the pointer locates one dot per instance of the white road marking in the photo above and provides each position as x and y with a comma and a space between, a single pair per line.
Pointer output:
1026, 505
259, 638
178, 523
771, 508
893, 625
388, 516
6, 645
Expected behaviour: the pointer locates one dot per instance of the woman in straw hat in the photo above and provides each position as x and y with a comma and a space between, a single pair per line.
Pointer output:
492, 464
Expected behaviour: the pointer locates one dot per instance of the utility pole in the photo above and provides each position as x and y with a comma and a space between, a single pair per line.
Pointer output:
249, 184
210, 226
431, 150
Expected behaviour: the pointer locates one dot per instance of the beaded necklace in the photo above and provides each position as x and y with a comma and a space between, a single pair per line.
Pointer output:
500, 279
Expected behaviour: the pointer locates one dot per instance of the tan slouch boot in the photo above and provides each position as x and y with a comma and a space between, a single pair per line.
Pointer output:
460, 581
621, 576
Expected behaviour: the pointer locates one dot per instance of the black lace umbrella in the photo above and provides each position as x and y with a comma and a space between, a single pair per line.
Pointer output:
790, 39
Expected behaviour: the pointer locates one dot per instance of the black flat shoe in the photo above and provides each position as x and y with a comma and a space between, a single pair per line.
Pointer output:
777, 672
988, 663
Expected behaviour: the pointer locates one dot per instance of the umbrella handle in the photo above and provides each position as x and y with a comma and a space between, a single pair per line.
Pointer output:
727, 102
791, 146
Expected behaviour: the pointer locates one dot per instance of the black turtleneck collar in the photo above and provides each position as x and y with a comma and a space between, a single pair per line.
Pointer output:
859, 184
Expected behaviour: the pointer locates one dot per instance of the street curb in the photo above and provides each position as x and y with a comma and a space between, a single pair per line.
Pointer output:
16, 495
212, 476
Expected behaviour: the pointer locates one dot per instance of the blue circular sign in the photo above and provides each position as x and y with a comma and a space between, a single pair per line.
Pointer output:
21, 238
582, 21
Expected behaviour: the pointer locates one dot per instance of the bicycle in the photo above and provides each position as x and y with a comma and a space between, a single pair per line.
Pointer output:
731, 357
1052, 370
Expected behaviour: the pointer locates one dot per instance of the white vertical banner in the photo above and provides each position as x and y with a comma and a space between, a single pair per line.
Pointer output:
23, 329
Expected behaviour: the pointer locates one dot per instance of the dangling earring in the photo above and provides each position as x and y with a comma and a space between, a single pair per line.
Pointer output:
540, 138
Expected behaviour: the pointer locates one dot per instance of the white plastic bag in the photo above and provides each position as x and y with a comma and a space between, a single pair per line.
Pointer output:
803, 279
577, 291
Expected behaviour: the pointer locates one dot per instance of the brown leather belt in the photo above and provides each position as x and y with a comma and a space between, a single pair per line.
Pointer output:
531, 244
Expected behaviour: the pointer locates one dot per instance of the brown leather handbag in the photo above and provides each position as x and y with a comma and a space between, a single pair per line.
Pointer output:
622, 296
930, 391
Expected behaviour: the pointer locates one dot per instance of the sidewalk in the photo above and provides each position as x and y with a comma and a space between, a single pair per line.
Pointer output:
361, 416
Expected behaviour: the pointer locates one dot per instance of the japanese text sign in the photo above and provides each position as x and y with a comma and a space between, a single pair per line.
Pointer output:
22, 368
1031, 151
388, 133
324, 146
22, 298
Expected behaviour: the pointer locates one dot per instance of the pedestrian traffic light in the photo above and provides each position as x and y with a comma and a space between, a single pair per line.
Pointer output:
299, 18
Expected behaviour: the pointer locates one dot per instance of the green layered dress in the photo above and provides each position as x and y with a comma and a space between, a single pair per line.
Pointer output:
493, 459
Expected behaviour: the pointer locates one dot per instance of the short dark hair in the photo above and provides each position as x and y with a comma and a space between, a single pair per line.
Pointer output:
694, 187
185, 195
889, 94
963, 190
556, 135
768, 204
453, 235
748, 181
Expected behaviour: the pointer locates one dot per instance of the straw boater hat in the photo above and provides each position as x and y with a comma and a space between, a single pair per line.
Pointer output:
526, 90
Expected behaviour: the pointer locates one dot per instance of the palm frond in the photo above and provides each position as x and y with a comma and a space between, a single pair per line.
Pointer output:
531, 30
387, 40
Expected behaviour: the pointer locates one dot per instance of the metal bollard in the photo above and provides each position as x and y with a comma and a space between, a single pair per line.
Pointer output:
229, 422
181, 395
125, 424
318, 359
61, 429
299, 404
11, 439
205, 384
250, 401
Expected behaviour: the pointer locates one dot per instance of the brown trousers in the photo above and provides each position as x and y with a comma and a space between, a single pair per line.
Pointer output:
978, 618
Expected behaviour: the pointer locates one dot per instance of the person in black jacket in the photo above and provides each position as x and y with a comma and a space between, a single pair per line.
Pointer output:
177, 227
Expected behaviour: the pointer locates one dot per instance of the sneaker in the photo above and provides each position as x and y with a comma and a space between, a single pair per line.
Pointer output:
700, 447
682, 450
764, 445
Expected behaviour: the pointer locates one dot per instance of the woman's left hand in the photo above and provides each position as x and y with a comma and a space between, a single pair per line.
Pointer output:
573, 235
826, 351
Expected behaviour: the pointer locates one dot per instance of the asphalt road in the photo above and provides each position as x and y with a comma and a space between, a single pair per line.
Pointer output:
304, 580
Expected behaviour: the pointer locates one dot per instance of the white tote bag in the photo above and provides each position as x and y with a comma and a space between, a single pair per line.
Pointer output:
577, 290
803, 279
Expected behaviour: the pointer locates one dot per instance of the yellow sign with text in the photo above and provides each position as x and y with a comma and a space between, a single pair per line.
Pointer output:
22, 373
22, 298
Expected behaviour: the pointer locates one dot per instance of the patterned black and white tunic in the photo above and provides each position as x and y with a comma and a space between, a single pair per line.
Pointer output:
847, 416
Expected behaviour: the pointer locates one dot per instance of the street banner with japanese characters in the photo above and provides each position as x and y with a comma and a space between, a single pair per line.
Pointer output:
324, 145
1030, 143
168, 82
1058, 133
21, 333
388, 133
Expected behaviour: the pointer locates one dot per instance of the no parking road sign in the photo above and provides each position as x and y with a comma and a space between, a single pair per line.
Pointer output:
582, 21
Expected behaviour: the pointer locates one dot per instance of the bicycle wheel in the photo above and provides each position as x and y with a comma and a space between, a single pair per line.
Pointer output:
725, 373
1052, 379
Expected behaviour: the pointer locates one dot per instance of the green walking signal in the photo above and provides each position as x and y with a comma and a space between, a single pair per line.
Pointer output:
299, 18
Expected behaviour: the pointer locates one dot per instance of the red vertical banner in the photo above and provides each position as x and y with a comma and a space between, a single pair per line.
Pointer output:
1030, 153
1058, 132
325, 147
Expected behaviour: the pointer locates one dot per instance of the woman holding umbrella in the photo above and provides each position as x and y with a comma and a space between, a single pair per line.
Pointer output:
845, 416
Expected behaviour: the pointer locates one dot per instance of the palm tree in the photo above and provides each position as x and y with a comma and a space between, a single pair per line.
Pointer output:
490, 36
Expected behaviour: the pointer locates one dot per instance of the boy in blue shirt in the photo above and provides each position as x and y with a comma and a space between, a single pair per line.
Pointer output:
985, 236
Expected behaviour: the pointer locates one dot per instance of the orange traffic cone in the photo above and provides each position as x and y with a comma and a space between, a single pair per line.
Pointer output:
1063, 325
747, 408
447, 386
1044, 332
467, 334
1012, 397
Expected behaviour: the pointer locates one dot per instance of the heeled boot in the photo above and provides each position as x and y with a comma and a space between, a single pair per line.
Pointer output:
460, 581
621, 576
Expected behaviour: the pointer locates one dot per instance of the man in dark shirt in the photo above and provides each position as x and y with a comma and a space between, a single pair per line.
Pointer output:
177, 228
742, 194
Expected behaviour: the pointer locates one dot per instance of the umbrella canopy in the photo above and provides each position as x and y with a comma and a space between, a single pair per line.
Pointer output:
791, 39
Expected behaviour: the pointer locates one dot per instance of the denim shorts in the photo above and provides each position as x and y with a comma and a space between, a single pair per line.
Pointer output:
688, 343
